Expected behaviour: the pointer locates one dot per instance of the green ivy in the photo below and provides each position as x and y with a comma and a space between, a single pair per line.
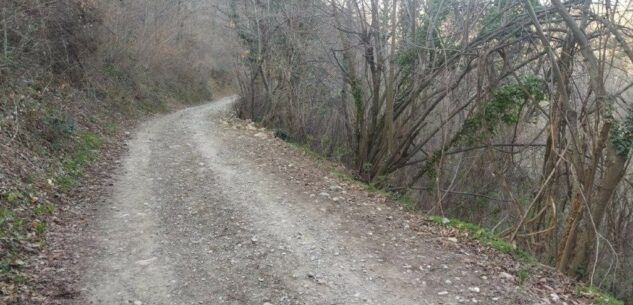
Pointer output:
510, 9
622, 135
503, 108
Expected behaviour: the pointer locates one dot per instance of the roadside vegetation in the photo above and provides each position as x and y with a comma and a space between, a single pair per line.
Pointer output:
529, 266
511, 115
74, 75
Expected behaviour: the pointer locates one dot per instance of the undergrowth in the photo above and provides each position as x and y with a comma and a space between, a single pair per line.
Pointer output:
600, 297
528, 262
484, 236
71, 169
402, 198
67, 87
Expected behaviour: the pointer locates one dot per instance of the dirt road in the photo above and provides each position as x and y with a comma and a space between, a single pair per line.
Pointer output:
193, 218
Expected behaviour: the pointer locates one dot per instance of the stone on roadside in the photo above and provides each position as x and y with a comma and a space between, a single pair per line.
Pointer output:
261, 135
506, 276
335, 188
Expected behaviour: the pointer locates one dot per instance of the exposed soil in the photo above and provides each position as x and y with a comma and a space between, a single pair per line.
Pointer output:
206, 210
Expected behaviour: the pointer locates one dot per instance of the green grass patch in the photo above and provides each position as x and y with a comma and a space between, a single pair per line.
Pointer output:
40, 227
6, 215
44, 209
305, 148
523, 275
600, 297
111, 127
10, 225
406, 201
485, 237
12, 229
12, 197
85, 151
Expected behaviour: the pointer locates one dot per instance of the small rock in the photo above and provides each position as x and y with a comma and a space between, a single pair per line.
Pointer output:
452, 239
474, 289
324, 194
138, 303
335, 188
261, 135
507, 276
442, 293
554, 297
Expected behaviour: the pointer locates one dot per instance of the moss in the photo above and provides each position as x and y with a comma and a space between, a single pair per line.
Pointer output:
600, 297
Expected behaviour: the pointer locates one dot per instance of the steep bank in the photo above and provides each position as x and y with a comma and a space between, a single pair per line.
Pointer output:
70, 88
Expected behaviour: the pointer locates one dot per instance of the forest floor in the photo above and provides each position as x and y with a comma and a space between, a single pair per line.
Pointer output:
207, 209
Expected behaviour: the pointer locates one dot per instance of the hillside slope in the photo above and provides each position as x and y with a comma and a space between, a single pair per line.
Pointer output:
69, 89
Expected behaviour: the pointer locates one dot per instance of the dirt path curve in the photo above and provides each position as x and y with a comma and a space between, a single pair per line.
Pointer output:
193, 220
